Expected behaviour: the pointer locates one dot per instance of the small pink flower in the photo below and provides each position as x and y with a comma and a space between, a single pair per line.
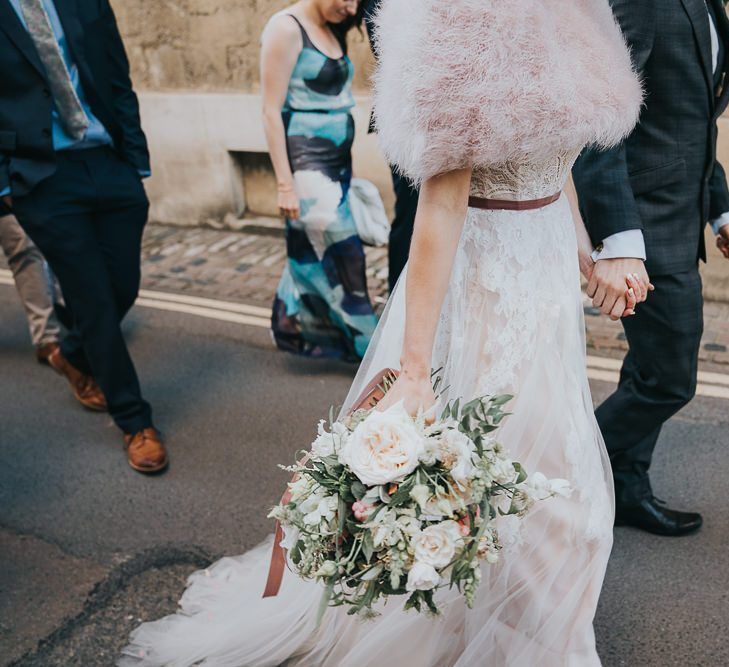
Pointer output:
463, 526
361, 510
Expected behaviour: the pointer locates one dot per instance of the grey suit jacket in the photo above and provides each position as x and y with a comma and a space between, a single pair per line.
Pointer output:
664, 179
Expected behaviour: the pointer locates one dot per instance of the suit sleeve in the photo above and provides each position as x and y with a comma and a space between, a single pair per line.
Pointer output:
601, 177
126, 104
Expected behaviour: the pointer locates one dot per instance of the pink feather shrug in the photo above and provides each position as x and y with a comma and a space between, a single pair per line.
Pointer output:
484, 82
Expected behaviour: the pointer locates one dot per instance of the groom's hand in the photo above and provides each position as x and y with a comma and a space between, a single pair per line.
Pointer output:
722, 241
608, 283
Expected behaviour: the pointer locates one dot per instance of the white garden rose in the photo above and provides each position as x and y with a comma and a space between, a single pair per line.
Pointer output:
422, 577
384, 448
437, 544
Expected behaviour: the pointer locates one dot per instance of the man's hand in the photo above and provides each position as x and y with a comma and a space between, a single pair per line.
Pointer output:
722, 241
8, 201
608, 283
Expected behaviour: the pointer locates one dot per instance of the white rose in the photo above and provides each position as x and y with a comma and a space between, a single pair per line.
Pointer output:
422, 577
436, 545
384, 448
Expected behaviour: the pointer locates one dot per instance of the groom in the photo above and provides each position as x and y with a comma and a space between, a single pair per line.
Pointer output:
651, 198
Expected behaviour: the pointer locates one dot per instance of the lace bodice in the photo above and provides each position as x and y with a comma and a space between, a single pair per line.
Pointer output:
523, 180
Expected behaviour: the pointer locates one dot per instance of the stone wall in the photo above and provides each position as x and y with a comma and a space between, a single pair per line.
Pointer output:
205, 45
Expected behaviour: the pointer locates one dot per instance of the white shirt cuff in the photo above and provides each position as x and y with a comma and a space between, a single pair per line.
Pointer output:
622, 245
720, 222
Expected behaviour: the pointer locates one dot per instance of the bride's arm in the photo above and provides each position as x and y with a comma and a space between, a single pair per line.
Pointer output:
584, 244
441, 213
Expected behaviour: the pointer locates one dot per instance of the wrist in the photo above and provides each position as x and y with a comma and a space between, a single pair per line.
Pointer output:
585, 260
416, 370
285, 187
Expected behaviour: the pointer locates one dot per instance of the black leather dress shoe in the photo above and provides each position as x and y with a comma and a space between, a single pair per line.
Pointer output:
649, 515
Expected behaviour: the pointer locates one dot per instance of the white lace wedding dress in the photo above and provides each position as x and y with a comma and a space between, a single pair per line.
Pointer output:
517, 89
512, 322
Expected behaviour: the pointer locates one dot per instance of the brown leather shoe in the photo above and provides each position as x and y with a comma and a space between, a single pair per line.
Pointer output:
145, 451
42, 352
83, 386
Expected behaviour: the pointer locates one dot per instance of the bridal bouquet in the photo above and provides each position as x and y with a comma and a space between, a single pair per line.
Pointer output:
387, 504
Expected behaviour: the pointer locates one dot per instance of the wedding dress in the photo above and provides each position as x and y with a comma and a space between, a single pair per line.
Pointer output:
512, 322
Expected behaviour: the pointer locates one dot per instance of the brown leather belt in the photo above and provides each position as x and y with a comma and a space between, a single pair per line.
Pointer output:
510, 205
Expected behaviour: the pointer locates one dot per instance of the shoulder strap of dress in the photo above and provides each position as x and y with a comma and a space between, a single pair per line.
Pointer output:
304, 34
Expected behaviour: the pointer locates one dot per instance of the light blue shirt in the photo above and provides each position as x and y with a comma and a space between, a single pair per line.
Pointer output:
96, 134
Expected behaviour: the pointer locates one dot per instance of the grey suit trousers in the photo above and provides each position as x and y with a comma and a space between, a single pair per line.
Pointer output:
31, 280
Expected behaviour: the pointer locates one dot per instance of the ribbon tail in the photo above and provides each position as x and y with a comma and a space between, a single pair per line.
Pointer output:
276, 567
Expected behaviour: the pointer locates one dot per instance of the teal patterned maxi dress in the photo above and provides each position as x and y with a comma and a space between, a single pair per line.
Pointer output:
322, 308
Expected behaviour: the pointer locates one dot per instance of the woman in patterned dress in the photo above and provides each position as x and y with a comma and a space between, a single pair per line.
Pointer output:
321, 308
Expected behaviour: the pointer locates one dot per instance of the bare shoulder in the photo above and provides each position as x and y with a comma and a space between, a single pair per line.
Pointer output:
282, 31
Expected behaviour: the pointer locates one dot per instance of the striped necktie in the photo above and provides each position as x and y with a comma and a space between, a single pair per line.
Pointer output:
73, 118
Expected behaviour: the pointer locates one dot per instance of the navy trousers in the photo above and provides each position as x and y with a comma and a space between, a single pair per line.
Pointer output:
401, 232
87, 219
657, 379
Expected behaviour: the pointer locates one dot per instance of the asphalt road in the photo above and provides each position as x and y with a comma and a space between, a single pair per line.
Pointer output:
88, 547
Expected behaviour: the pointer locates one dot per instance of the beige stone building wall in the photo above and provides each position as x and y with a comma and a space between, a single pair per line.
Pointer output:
205, 45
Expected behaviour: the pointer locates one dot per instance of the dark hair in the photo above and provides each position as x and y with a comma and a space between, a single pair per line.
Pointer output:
341, 30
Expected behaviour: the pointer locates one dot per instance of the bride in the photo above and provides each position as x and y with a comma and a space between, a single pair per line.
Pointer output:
486, 104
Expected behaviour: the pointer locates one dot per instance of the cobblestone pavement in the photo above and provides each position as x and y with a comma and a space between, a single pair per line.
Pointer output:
240, 265
244, 265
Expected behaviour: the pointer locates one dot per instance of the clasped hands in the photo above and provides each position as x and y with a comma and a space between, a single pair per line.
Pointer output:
616, 286
722, 241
